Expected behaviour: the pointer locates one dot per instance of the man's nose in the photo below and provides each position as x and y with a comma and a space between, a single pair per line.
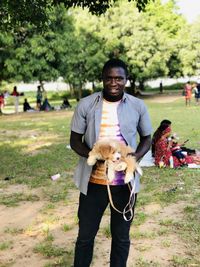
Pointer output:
113, 81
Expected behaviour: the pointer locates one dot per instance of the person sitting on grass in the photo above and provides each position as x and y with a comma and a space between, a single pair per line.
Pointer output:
46, 105
178, 152
26, 106
162, 145
65, 104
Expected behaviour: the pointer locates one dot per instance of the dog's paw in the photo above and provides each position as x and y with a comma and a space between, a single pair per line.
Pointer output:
91, 161
128, 177
120, 166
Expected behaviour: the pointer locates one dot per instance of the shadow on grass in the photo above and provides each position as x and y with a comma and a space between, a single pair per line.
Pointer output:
35, 170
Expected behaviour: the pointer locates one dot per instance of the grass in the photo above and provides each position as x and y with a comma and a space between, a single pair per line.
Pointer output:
62, 257
33, 147
15, 198
5, 245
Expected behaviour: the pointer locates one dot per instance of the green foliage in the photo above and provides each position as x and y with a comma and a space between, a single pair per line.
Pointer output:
40, 56
75, 44
17, 14
127, 33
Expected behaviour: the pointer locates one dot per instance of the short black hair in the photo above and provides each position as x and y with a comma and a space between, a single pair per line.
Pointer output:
115, 63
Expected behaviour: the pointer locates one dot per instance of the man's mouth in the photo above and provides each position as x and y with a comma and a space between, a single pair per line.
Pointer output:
114, 91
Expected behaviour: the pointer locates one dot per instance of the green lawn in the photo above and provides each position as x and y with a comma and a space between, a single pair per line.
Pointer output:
33, 147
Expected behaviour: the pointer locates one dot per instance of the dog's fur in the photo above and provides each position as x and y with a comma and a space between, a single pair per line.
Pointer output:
115, 155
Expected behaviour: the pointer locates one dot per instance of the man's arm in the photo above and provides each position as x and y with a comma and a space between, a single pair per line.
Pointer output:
77, 144
143, 146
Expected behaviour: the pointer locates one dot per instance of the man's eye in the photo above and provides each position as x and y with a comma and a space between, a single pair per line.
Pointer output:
119, 79
116, 79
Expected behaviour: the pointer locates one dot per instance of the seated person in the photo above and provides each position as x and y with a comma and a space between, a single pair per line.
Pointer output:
163, 125
178, 152
65, 104
26, 106
160, 145
46, 105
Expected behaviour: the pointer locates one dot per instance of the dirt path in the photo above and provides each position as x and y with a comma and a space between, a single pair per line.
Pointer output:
163, 98
25, 226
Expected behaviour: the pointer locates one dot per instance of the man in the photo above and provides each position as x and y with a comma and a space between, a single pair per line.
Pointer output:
108, 114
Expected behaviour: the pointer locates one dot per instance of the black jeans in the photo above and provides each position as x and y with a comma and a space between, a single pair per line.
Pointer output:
90, 212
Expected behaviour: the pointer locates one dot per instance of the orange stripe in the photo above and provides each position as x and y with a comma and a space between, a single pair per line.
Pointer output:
98, 181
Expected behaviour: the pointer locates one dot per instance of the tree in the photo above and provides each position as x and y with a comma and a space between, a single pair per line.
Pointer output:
6, 51
40, 56
85, 62
17, 14
189, 47
143, 40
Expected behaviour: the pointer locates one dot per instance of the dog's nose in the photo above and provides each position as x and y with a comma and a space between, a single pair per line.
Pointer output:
117, 156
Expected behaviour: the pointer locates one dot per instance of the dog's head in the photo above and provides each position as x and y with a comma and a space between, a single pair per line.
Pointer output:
109, 152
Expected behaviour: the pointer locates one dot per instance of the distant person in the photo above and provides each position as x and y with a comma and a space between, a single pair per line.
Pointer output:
6, 95
46, 105
26, 106
16, 96
39, 97
195, 90
65, 104
198, 93
161, 87
188, 93
1, 102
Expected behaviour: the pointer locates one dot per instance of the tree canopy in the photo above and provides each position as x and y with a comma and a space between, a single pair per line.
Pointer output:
15, 14
75, 45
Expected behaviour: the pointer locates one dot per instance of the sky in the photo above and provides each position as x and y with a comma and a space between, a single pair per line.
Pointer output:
190, 9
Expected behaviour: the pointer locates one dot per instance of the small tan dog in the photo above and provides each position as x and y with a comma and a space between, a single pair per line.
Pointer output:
115, 155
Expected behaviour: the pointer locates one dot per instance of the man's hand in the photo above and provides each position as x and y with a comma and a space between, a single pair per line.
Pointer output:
143, 146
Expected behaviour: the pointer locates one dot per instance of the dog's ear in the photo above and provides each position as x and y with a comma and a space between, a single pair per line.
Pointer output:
105, 151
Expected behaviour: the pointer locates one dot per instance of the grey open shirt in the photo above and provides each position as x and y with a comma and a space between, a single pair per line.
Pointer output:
133, 117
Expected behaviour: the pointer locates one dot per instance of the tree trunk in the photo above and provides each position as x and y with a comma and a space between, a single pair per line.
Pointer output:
141, 86
42, 85
80, 91
132, 89
93, 87
71, 89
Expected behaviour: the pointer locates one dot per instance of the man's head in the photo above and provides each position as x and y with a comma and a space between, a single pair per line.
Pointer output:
114, 75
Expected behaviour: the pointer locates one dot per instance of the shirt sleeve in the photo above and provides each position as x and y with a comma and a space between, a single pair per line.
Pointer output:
144, 125
78, 123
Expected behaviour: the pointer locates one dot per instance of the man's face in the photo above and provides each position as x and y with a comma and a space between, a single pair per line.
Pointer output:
114, 81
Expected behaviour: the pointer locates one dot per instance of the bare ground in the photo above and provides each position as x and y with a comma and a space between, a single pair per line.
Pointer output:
23, 227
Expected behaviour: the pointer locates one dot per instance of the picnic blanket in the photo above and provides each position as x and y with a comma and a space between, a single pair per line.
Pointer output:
148, 161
